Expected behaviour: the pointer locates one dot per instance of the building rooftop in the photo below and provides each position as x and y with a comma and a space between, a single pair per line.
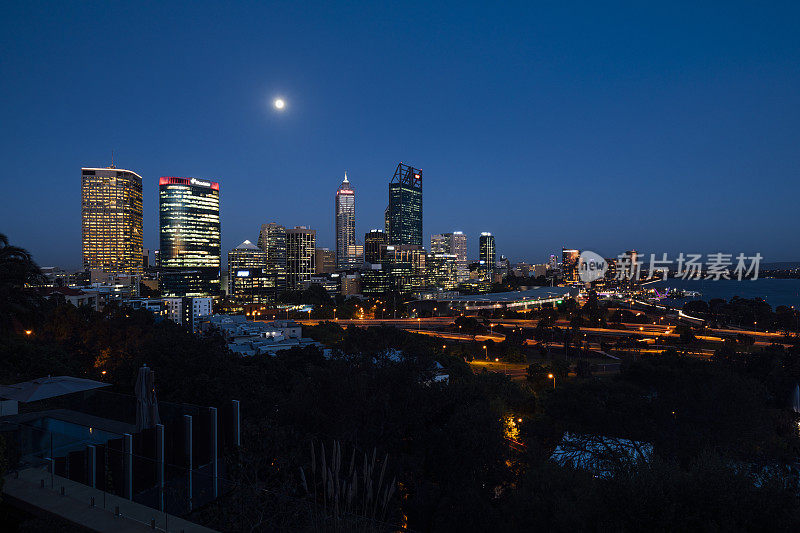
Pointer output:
247, 245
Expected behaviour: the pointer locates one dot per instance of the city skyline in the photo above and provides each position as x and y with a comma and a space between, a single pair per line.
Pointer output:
567, 123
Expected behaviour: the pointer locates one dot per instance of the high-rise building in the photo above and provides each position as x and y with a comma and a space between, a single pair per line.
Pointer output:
405, 264
569, 265
487, 254
372, 245
456, 244
403, 216
345, 213
272, 239
249, 278
300, 263
189, 237
111, 220
441, 271
324, 261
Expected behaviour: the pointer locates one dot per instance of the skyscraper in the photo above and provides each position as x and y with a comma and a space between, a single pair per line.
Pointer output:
403, 216
453, 244
272, 239
300, 261
325, 261
189, 236
441, 271
111, 220
569, 264
487, 252
372, 245
249, 278
345, 214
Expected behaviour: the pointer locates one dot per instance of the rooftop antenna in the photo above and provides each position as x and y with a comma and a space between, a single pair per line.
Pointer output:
112, 160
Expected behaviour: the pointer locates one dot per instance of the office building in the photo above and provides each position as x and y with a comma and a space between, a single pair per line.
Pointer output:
374, 241
405, 265
300, 262
375, 282
454, 243
111, 220
403, 215
487, 254
250, 280
441, 271
350, 283
189, 237
324, 261
356, 254
272, 239
569, 265
187, 311
345, 224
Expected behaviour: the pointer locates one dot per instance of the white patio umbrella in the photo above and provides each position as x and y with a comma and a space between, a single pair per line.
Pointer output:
49, 387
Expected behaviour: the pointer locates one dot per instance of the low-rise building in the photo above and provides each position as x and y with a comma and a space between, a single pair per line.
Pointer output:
188, 310
257, 338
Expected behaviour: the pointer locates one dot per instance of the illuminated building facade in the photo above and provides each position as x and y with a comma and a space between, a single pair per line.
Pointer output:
375, 282
373, 243
456, 244
345, 213
487, 253
406, 267
442, 271
300, 262
569, 265
111, 220
272, 239
249, 278
189, 237
324, 261
403, 216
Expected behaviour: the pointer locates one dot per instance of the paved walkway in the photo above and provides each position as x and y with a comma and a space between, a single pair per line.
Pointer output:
26, 491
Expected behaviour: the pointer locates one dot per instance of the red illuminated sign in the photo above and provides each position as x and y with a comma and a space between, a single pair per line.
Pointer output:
171, 180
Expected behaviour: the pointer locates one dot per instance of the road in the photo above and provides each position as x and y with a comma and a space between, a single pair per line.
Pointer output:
655, 332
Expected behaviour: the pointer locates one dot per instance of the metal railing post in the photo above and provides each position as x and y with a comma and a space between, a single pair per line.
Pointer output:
127, 439
237, 423
160, 466
187, 432
214, 451
91, 464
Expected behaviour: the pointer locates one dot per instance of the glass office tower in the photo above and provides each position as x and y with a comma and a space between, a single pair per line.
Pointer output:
453, 243
190, 237
345, 221
487, 253
272, 239
373, 241
403, 216
300, 256
111, 220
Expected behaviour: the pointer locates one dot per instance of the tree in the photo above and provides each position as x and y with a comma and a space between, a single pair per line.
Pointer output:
20, 307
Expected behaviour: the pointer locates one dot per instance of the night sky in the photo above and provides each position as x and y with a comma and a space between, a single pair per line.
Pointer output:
662, 127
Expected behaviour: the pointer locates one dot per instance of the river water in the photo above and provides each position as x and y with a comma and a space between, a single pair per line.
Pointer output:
775, 291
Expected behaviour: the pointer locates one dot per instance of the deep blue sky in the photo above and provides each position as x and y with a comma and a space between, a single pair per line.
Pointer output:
666, 127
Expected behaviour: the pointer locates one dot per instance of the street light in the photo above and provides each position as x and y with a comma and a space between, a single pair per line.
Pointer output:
553, 377
486, 352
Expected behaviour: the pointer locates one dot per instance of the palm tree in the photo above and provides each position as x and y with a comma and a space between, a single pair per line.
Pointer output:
19, 306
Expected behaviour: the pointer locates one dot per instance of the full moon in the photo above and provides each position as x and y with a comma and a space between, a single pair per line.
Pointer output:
279, 103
